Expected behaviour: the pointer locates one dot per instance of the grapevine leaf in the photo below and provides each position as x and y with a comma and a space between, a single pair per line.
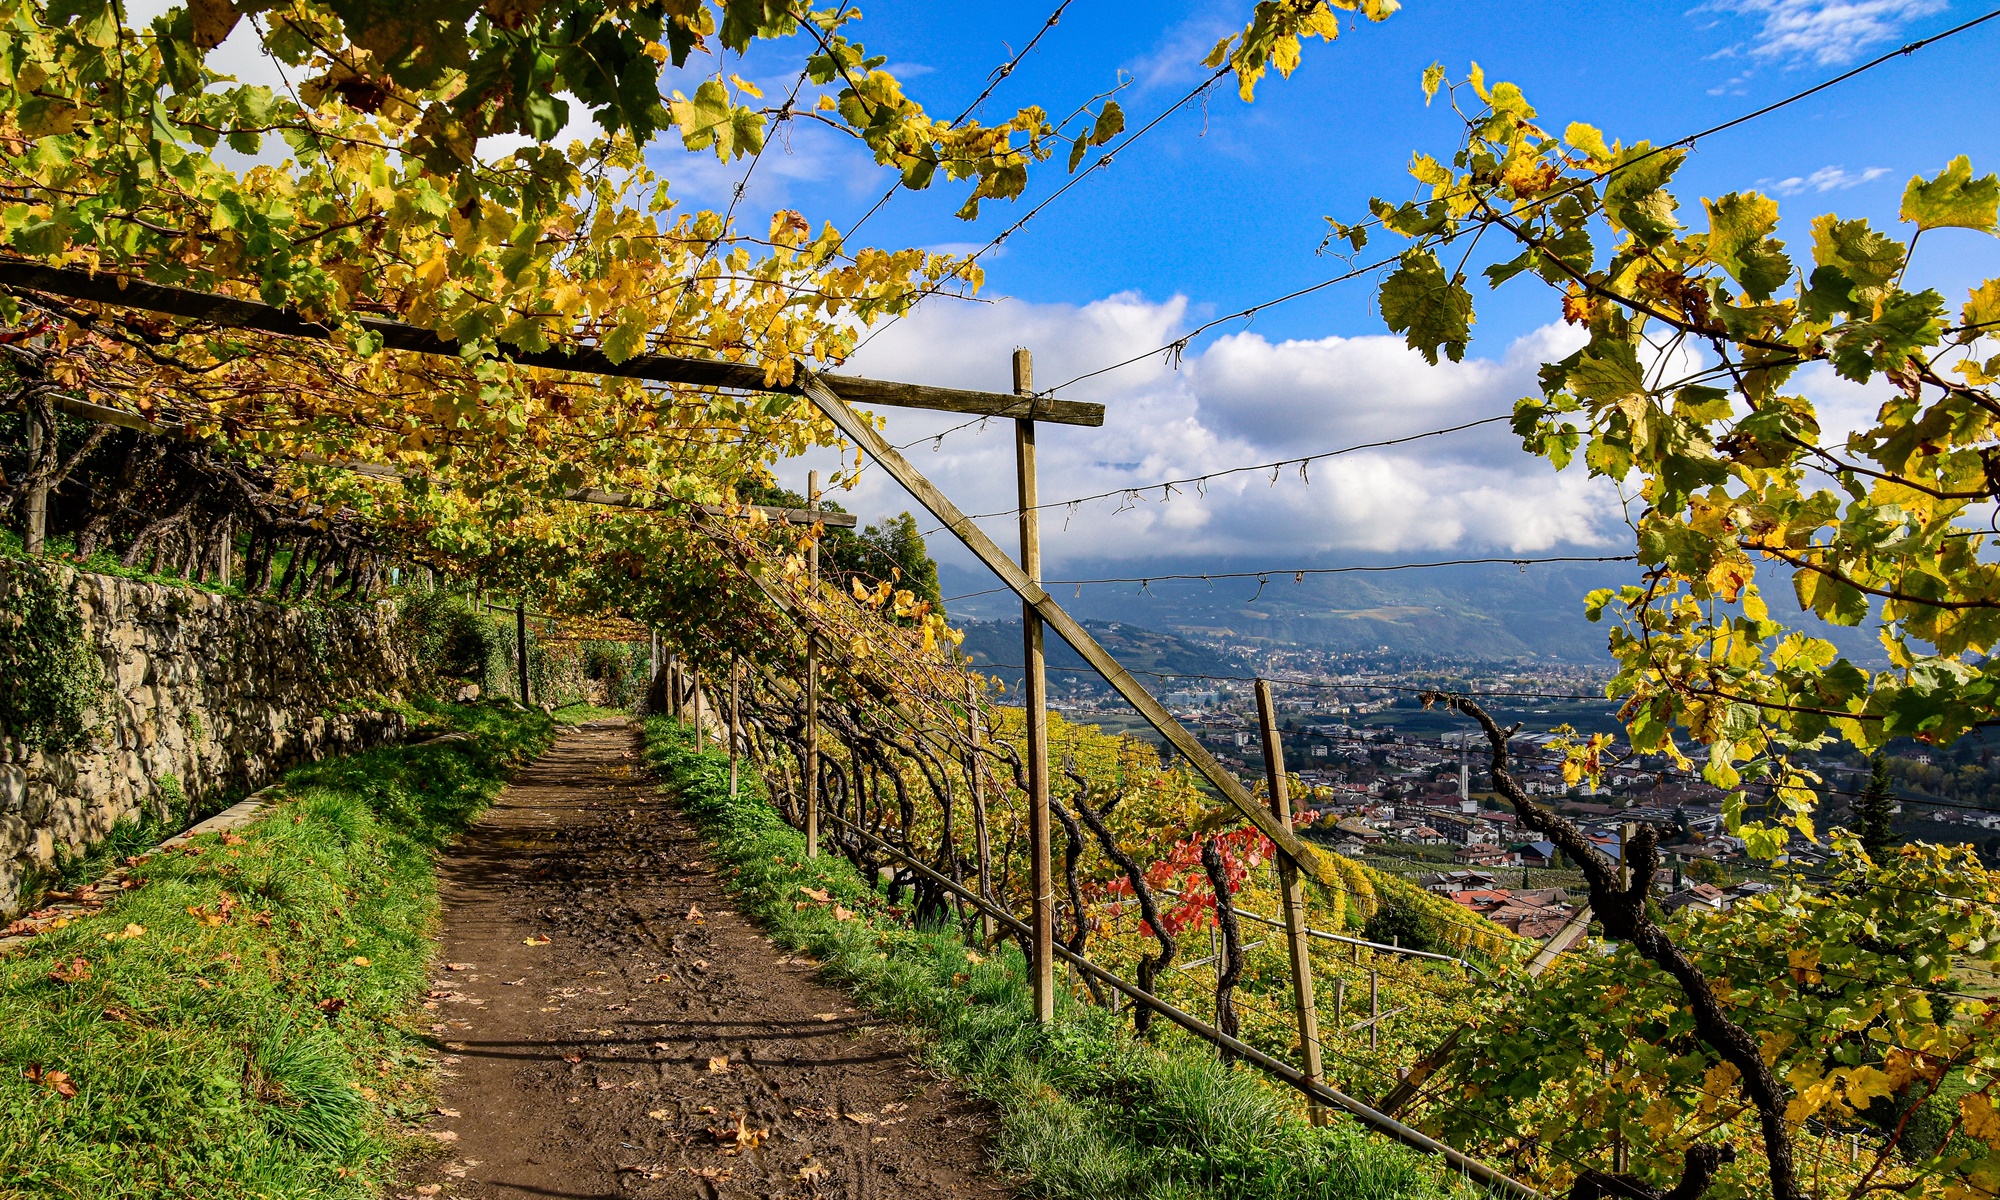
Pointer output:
1954, 200
1431, 309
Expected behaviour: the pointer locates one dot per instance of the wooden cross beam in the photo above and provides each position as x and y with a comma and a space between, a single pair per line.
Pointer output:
85, 410
654, 368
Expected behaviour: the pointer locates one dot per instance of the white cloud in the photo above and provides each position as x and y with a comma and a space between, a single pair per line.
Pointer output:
1826, 179
1241, 401
1827, 32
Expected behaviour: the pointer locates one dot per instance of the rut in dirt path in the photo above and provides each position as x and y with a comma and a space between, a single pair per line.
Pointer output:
613, 1028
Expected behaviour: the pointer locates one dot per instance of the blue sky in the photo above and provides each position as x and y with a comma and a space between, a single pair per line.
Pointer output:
1222, 206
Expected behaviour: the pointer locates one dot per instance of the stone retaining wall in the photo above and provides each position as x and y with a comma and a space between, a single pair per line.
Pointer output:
208, 698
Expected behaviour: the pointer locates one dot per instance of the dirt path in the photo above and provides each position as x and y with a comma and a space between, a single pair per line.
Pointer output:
623, 1057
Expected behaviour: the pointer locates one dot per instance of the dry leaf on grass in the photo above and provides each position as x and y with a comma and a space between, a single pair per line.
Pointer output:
75, 971
819, 894
842, 914
56, 1081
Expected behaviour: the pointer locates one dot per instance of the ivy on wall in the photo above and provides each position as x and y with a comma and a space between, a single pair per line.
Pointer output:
50, 677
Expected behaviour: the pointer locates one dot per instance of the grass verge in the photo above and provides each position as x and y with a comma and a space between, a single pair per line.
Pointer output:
1087, 1111
244, 1022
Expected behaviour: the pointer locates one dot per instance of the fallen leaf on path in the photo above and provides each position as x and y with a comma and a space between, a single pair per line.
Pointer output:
740, 1135
534, 941
862, 1118
827, 1016
661, 1114
694, 915
446, 1112
515, 982
877, 1141
443, 1135
812, 1172
429, 1189
661, 1046
458, 966
712, 1174
572, 1058
894, 1107
718, 1065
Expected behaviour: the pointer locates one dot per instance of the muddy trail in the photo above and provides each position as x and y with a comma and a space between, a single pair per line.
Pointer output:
612, 1027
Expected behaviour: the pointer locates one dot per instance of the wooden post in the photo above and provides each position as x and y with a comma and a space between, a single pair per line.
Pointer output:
735, 722
1304, 1002
36, 530
694, 682
811, 766
228, 548
976, 783
653, 665
1041, 880
1339, 1003
521, 645
674, 686
1374, 1005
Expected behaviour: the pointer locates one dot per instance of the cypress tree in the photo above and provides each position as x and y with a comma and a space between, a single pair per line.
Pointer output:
1872, 816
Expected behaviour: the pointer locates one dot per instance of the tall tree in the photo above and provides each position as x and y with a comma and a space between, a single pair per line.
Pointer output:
1873, 815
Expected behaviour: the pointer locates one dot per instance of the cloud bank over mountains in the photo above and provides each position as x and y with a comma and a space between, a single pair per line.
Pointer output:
1239, 400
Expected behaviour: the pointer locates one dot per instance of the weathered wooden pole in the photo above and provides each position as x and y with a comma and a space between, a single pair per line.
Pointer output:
36, 530
653, 666
735, 722
975, 781
228, 548
1041, 880
521, 645
674, 686
1374, 1006
1304, 1002
694, 684
811, 766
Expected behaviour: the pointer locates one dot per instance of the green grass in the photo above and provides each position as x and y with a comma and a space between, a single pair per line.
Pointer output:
1086, 1110
245, 1024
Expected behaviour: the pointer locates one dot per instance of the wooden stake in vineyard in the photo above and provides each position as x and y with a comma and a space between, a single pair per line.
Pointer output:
1304, 1003
976, 783
521, 645
812, 683
735, 721
1041, 880
38, 496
